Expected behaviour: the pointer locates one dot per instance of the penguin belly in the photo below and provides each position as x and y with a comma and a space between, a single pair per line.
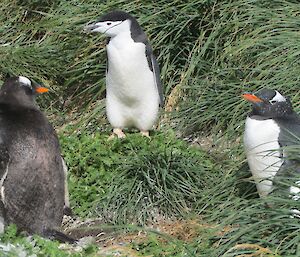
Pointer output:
33, 190
262, 151
131, 96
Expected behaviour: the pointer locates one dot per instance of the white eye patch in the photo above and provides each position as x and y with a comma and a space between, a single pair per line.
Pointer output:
25, 81
278, 98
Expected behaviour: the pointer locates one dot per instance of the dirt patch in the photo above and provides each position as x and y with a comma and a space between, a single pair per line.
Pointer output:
166, 229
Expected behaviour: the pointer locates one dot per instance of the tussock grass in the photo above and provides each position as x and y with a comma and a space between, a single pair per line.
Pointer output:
160, 178
209, 53
255, 223
250, 45
267, 225
135, 179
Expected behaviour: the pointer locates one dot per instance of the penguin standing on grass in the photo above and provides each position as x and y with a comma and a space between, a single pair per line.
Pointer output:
31, 168
272, 128
133, 86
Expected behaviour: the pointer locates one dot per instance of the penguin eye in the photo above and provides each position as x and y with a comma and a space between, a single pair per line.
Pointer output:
28, 90
273, 101
108, 23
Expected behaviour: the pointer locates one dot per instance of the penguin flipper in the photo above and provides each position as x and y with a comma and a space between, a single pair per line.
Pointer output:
289, 140
290, 130
4, 159
2, 217
59, 236
157, 80
153, 65
67, 208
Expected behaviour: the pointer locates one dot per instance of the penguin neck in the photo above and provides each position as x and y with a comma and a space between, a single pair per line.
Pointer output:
255, 114
121, 40
11, 103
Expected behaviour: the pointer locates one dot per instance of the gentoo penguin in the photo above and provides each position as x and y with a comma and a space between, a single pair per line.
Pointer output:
31, 168
133, 86
270, 129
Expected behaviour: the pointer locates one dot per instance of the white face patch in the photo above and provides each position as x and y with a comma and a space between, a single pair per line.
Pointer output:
112, 28
278, 98
24, 80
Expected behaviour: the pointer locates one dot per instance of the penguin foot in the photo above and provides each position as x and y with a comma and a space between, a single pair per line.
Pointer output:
118, 132
54, 234
145, 133
295, 213
68, 211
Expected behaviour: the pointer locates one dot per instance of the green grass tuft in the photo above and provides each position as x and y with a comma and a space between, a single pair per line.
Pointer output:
135, 178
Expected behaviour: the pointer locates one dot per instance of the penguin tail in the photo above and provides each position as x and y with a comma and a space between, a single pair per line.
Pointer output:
59, 236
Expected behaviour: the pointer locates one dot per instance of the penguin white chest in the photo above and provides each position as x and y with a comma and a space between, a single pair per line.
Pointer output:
262, 150
131, 95
129, 76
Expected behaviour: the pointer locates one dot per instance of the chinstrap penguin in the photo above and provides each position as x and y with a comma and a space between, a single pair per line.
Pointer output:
31, 170
271, 128
133, 87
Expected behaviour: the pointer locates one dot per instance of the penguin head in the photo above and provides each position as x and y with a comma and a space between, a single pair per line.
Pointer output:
20, 91
269, 103
113, 24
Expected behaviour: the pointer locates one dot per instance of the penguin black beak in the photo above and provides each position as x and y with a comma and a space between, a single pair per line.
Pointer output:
40, 90
252, 98
89, 28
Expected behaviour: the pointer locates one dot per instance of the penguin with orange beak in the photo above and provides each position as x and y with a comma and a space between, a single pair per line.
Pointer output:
32, 179
271, 129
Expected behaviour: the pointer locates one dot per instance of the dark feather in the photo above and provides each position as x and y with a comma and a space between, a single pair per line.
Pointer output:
59, 236
29, 149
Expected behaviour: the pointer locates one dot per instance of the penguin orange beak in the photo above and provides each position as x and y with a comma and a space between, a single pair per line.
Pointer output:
252, 98
41, 90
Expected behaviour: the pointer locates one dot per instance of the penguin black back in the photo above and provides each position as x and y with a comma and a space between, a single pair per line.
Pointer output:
32, 189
